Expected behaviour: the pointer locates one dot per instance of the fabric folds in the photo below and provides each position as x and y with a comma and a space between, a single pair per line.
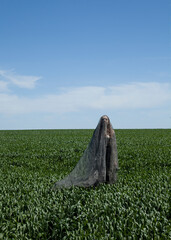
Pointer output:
99, 162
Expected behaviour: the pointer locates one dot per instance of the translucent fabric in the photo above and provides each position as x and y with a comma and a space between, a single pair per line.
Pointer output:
99, 162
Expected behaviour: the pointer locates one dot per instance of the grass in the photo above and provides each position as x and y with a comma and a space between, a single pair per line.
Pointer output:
136, 207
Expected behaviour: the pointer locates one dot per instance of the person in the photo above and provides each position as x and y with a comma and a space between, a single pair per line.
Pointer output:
99, 162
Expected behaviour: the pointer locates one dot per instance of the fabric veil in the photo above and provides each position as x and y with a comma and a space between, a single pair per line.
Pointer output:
99, 162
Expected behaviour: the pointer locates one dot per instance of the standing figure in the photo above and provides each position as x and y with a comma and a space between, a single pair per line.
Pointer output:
99, 162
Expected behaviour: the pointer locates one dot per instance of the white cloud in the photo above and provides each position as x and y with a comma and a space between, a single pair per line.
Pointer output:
123, 96
19, 80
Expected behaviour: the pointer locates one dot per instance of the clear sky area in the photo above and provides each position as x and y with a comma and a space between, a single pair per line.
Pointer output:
65, 63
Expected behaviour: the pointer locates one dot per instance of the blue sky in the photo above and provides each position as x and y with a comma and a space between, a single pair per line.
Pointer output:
64, 63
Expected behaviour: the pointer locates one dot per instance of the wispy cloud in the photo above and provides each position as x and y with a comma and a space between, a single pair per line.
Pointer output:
21, 81
124, 96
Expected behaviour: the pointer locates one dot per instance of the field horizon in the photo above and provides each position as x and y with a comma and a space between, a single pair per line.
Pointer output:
25, 129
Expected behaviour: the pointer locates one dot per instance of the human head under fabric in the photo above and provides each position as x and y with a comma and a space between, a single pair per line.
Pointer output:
99, 162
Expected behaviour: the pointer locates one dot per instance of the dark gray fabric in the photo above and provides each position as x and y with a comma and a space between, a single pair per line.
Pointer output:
99, 162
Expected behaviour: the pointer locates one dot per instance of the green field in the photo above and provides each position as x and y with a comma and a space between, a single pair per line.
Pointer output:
136, 207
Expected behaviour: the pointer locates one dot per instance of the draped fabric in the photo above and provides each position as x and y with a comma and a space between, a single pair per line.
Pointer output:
99, 162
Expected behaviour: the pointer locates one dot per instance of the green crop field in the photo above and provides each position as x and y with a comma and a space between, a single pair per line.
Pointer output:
136, 207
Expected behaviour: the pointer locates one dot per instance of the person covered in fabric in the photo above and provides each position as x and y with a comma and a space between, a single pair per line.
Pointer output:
99, 162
